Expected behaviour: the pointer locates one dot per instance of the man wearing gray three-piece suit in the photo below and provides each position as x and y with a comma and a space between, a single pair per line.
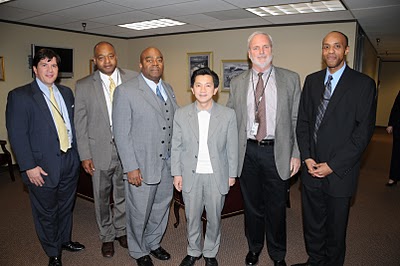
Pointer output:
266, 100
93, 106
143, 111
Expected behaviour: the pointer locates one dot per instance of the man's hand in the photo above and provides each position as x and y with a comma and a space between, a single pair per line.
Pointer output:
232, 181
135, 177
319, 170
389, 129
294, 166
88, 166
35, 175
178, 182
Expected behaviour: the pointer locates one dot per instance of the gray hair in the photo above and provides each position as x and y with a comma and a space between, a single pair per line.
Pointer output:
257, 33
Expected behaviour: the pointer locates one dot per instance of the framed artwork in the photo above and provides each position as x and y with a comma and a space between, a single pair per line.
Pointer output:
92, 66
231, 69
196, 61
2, 77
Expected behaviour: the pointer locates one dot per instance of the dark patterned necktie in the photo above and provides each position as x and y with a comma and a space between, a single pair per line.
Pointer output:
323, 105
260, 107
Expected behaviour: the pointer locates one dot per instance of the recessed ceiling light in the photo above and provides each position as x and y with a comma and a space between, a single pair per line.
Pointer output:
300, 8
152, 24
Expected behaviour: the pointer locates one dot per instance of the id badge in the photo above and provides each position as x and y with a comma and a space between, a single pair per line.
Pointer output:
254, 128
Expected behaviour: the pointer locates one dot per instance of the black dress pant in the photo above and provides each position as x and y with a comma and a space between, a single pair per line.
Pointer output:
52, 206
264, 196
325, 221
395, 161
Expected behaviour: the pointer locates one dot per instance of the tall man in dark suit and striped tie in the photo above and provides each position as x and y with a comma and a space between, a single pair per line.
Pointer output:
336, 121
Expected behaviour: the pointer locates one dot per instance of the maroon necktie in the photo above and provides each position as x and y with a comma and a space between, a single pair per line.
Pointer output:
260, 109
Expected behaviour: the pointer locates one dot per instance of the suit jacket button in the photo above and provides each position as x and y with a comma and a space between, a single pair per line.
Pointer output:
193, 171
163, 128
162, 142
160, 155
195, 156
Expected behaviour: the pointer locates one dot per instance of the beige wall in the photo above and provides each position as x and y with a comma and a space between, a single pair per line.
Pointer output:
389, 88
370, 61
295, 47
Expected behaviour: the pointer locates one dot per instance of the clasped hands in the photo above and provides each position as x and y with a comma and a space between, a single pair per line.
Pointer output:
319, 170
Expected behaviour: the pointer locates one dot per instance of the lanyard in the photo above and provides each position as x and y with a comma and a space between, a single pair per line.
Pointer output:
257, 103
55, 107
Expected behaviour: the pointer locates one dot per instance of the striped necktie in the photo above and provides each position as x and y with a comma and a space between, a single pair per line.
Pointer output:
323, 105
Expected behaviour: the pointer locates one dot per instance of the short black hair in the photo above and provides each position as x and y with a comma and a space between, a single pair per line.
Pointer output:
45, 53
204, 71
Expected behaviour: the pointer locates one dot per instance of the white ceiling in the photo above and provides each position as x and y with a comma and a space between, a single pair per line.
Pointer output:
379, 19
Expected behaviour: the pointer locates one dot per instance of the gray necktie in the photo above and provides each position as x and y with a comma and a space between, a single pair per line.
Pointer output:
323, 105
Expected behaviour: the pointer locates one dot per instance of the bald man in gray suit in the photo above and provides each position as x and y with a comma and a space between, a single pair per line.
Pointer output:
143, 112
268, 151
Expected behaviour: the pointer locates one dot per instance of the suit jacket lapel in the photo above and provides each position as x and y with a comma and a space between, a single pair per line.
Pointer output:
193, 120
281, 88
149, 95
244, 83
214, 120
340, 90
39, 98
99, 95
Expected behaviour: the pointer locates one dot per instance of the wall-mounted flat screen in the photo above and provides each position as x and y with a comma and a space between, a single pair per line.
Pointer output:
66, 68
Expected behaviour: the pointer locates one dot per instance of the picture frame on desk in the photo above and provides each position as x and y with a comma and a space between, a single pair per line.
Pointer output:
231, 69
196, 61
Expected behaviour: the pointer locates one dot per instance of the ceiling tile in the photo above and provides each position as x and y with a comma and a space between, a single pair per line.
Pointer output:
124, 18
231, 14
48, 19
93, 10
189, 8
16, 14
310, 17
48, 6
143, 4
368, 4
257, 3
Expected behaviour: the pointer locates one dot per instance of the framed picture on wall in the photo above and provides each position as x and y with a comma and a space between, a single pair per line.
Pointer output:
92, 66
2, 77
231, 69
196, 61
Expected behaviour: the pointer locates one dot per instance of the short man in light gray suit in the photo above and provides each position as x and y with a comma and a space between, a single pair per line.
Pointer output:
266, 100
143, 112
204, 163
96, 145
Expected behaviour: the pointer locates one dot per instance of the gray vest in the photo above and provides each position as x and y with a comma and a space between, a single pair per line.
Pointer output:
168, 111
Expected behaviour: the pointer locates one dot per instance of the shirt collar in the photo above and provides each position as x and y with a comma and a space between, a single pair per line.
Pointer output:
208, 111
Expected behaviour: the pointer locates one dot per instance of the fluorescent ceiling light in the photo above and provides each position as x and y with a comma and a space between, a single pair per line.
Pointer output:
300, 8
152, 24
4, 1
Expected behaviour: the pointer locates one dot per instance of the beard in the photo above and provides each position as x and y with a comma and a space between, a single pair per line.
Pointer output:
262, 64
